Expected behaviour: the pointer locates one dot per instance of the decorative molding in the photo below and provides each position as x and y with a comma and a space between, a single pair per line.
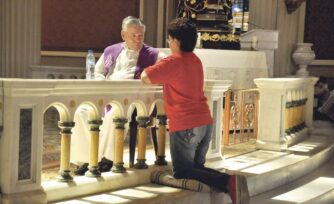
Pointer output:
219, 37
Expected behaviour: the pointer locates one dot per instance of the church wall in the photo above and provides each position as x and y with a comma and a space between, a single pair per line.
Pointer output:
20, 36
272, 14
152, 13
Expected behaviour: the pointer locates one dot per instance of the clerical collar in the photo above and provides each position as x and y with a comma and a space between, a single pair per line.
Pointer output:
129, 50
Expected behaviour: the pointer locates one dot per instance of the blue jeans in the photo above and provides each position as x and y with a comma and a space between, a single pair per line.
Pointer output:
188, 150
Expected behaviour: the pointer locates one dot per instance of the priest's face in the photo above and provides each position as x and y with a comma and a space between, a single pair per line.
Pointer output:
133, 36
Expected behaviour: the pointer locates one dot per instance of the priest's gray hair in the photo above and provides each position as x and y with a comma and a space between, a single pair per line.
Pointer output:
130, 20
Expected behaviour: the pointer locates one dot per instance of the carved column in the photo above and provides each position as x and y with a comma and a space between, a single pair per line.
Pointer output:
119, 145
20, 37
94, 149
161, 140
288, 111
65, 132
142, 132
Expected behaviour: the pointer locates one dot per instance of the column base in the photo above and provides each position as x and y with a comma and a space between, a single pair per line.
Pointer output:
141, 164
118, 168
65, 176
93, 172
160, 161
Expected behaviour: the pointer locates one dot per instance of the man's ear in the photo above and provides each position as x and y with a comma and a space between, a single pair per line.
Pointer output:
123, 35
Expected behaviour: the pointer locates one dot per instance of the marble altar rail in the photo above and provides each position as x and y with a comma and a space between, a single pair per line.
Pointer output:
23, 103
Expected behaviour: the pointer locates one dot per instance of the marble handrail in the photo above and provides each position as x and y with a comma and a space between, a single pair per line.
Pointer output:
23, 103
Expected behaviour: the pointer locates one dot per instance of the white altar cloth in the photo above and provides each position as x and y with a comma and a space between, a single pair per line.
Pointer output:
239, 66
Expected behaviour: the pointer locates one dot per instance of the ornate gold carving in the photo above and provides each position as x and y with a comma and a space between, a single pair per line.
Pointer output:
72, 103
219, 37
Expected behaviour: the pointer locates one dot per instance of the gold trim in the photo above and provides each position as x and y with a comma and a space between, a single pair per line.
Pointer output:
100, 102
125, 101
72, 103
219, 37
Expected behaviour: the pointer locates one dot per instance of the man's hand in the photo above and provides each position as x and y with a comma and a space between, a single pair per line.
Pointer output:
144, 78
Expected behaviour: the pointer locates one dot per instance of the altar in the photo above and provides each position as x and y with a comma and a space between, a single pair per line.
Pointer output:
241, 67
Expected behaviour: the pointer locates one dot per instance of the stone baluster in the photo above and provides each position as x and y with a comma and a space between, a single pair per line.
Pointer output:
304, 98
161, 140
65, 132
300, 105
294, 112
118, 166
142, 132
94, 149
288, 110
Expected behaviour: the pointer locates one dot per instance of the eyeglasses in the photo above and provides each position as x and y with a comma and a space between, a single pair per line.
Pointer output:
169, 40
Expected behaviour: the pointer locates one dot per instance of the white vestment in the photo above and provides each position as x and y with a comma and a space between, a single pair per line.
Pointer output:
124, 68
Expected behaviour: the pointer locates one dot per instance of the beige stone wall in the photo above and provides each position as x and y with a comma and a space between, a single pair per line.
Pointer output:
272, 14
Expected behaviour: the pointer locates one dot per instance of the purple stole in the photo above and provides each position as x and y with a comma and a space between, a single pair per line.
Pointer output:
147, 57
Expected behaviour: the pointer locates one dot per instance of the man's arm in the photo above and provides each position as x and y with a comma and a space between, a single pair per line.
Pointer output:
144, 78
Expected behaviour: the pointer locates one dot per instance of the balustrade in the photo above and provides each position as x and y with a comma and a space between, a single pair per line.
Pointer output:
36, 96
285, 115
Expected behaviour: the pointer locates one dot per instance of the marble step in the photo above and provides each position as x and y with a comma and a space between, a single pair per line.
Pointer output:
316, 187
151, 194
265, 171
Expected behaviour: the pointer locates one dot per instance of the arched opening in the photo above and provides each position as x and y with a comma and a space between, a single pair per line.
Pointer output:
52, 140
51, 144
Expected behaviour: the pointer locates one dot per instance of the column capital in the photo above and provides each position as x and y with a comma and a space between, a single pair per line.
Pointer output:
65, 126
94, 125
143, 121
120, 122
162, 119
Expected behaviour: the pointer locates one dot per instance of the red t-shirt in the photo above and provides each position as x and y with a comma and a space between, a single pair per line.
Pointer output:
182, 78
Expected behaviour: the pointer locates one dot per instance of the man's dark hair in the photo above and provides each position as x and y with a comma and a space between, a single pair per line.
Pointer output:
184, 31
